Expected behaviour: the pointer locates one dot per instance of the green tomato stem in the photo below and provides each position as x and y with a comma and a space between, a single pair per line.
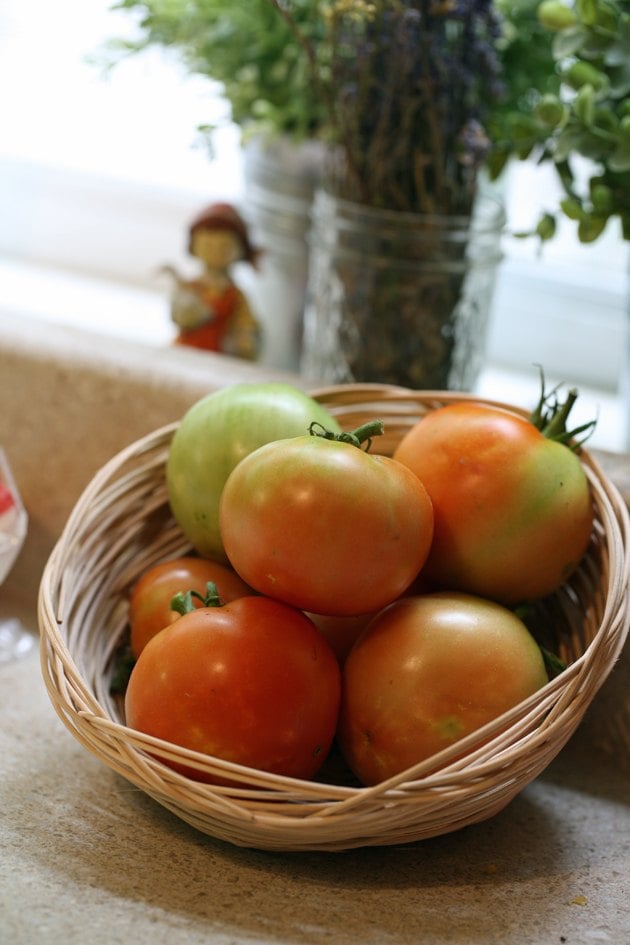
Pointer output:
556, 423
550, 416
183, 603
361, 435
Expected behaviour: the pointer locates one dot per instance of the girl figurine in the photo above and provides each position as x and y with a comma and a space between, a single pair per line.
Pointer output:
210, 311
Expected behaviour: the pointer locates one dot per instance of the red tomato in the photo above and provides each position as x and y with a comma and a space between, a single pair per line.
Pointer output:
513, 512
251, 682
428, 671
341, 632
150, 602
324, 525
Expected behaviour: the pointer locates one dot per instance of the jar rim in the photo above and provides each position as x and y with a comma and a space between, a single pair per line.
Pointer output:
495, 219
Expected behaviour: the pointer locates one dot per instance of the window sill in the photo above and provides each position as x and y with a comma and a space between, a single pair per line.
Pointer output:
141, 315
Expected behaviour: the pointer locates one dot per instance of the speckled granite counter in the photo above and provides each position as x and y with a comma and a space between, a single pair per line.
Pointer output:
85, 857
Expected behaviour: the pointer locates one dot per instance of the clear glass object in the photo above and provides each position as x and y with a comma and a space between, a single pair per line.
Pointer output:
399, 298
15, 640
280, 180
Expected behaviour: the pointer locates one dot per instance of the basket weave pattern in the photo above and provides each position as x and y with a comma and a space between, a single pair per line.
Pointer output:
122, 525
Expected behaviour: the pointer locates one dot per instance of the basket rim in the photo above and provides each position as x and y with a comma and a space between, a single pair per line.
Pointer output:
278, 801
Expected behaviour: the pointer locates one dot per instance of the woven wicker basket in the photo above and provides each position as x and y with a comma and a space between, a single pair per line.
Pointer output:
121, 525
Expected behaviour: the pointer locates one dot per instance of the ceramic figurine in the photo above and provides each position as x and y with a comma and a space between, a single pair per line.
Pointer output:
210, 311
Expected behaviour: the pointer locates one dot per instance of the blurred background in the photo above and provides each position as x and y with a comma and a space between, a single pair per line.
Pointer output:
100, 173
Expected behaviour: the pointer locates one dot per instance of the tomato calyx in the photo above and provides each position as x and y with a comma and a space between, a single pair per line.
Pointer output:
124, 662
550, 416
361, 436
182, 603
554, 664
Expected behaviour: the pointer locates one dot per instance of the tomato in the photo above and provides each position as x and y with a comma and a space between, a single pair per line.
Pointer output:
428, 671
251, 682
150, 601
324, 525
341, 632
214, 435
513, 512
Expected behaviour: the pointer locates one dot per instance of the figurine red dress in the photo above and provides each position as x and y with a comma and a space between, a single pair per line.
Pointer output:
211, 312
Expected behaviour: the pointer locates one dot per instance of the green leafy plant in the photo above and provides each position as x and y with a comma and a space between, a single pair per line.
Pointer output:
244, 46
590, 115
416, 97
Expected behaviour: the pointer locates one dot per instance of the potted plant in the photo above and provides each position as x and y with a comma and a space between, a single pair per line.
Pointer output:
587, 115
404, 245
245, 46
545, 82
422, 99
563, 75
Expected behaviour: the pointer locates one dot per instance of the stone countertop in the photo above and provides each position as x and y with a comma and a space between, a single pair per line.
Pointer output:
86, 857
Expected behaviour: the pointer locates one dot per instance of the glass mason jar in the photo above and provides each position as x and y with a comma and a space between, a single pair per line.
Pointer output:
399, 298
280, 180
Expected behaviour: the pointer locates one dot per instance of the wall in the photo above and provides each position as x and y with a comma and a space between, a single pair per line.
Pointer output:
71, 400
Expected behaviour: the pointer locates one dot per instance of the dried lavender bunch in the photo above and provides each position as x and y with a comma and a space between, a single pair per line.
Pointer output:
407, 86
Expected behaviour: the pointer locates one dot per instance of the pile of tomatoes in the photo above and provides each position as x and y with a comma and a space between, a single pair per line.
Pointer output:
338, 596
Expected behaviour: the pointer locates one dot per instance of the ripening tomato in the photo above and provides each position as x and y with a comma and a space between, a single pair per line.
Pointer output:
343, 632
340, 632
150, 601
214, 435
428, 671
513, 511
324, 525
251, 682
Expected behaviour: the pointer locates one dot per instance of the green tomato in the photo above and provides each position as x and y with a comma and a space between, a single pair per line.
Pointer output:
214, 435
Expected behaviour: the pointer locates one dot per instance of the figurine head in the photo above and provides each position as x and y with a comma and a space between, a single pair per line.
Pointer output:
219, 237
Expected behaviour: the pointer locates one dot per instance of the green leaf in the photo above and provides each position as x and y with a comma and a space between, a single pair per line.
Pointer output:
550, 111
608, 18
546, 227
497, 162
555, 15
602, 199
587, 11
580, 74
619, 161
573, 140
591, 227
568, 43
572, 208
606, 124
584, 105
619, 78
